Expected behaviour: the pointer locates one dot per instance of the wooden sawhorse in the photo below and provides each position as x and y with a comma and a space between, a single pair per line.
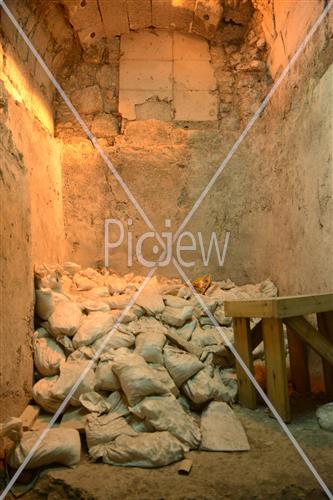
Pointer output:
273, 313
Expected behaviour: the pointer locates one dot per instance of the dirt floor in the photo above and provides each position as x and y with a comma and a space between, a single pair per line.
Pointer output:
271, 469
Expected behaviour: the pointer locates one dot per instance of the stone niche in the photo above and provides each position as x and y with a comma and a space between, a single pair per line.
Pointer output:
167, 76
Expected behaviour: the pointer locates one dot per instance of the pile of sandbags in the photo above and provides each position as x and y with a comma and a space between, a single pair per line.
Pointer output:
142, 384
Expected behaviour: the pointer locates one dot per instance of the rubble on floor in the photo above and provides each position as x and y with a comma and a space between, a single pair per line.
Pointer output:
159, 384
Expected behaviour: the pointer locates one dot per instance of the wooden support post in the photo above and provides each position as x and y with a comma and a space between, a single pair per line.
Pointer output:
298, 363
243, 345
325, 326
277, 386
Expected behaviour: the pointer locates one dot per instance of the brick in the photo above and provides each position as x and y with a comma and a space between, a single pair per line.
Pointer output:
152, 75
139, 13
114, 16
147, 45
128, 99
88, 100
196, 105
194, 76
190, 48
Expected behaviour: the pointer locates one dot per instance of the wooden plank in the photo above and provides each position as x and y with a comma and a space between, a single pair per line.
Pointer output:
114, 16
29, 415
298, 363
279, 307
243, 345
325, 326
312, 337
139, 14
276, 373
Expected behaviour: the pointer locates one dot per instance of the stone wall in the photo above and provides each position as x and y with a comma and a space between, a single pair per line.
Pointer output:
16, 274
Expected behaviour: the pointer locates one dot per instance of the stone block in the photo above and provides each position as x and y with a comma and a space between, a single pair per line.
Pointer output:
108, 76
129, 99
277, 58
88, 100
154, 109
147, 45
173, 14
150, 75
207, 17
198, 75
105, 125
91, 35
195, 105
190, 47
139, 13
83, 13
114, 16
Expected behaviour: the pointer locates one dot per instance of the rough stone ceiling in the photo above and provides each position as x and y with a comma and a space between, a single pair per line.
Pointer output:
96, 19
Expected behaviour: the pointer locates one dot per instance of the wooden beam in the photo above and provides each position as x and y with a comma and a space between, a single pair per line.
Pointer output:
243, 345
298, 363
312, 337
325, 326
279, 307
276, 373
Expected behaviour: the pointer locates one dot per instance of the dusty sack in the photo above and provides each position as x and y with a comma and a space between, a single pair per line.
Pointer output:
47, 353
205, 386
65, 319
105, 428
93, 326
43, 394
144, 450
70, 371
324, 415
150, 346
61, 446
165, 413
136, 378
180, 364
118, 338
106, 380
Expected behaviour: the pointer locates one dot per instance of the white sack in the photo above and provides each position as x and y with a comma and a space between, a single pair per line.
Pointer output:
205, 386
174, 316
115, 284
95, 402
92, 327
150, 346
180, 364
59, 446
70, 371
43, 394
163, 376
150, 301
136, 378
144, 450
105, 428
47, 354
117, 339
165, 413
106, 380
65, 319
